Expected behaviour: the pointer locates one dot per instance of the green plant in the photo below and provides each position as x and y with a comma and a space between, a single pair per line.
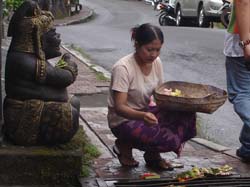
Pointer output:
90, 152
99, 75
80, 50
11, 5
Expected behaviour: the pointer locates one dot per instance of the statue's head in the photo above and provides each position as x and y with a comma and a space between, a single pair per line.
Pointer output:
32, 31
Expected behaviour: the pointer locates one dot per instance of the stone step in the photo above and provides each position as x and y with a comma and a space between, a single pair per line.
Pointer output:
41, 165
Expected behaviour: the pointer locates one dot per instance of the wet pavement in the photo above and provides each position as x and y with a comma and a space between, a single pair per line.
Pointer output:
196, 154
106, 169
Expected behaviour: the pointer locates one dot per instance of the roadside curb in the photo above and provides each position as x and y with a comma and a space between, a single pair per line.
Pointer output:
78, 21
86, 61
211, 145
216, 147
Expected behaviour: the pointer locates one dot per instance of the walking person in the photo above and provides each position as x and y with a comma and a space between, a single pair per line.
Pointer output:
237, 52
134, 122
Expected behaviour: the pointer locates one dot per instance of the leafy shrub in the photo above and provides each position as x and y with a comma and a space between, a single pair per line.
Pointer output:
10, 5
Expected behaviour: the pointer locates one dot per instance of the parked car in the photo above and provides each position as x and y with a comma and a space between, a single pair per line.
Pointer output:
200, 12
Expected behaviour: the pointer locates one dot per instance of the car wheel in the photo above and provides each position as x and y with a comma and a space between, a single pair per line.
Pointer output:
202, 21
178, 17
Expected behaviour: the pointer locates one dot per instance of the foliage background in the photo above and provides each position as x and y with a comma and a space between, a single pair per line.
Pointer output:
10, 5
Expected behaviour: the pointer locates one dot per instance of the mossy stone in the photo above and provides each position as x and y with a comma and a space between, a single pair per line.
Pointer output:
41, 165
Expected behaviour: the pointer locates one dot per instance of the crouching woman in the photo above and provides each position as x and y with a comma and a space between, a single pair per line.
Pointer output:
131, 119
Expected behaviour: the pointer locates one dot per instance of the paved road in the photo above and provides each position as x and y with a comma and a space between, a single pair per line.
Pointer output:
190, 54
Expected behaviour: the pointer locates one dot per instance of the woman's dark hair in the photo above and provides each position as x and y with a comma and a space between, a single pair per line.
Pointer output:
146, 33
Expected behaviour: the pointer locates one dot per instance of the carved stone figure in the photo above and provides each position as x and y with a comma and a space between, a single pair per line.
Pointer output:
37, 108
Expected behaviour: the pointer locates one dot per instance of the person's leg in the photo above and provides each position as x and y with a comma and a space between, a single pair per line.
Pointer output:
123, 150
238, 86
135, 134
244, 150
123, 147
173, 130
147, 138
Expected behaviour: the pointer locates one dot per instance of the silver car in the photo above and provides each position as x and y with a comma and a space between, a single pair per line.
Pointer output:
202, 12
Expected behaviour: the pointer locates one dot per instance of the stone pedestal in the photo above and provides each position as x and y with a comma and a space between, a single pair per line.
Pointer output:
60, 165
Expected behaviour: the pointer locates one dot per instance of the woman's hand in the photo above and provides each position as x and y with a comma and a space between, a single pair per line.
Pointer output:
124, 110
150, 119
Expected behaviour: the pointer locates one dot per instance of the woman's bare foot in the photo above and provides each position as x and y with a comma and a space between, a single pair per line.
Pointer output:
154, 159
124, 154
157, 162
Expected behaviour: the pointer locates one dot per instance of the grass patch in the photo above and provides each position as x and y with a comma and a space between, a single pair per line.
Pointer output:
99, 75
90, 152
80, 50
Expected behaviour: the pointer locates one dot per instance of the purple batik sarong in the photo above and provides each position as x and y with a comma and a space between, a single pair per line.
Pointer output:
172, 131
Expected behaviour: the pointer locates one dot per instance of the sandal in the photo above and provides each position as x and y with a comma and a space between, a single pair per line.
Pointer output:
124, 160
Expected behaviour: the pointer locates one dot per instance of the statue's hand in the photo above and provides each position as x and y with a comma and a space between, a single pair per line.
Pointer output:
70, 65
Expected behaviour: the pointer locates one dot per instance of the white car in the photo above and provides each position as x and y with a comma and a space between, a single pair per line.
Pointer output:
200, 11
151, 2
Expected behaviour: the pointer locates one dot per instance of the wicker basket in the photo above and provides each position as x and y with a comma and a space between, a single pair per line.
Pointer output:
194, 97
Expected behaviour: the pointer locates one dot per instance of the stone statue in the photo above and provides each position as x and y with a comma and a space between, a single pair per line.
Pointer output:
37, 108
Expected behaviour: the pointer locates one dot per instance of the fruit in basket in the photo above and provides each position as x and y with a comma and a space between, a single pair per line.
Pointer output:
176, 92
193, 98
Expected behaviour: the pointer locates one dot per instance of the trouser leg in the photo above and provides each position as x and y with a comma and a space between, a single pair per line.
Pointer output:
244, 139
238, 85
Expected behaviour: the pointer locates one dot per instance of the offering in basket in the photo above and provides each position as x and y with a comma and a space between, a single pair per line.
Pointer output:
192, 97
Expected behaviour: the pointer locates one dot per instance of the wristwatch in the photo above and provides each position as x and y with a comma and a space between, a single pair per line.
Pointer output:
243, 44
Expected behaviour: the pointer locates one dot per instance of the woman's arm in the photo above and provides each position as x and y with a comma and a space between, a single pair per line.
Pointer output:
121, 107
243, 21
